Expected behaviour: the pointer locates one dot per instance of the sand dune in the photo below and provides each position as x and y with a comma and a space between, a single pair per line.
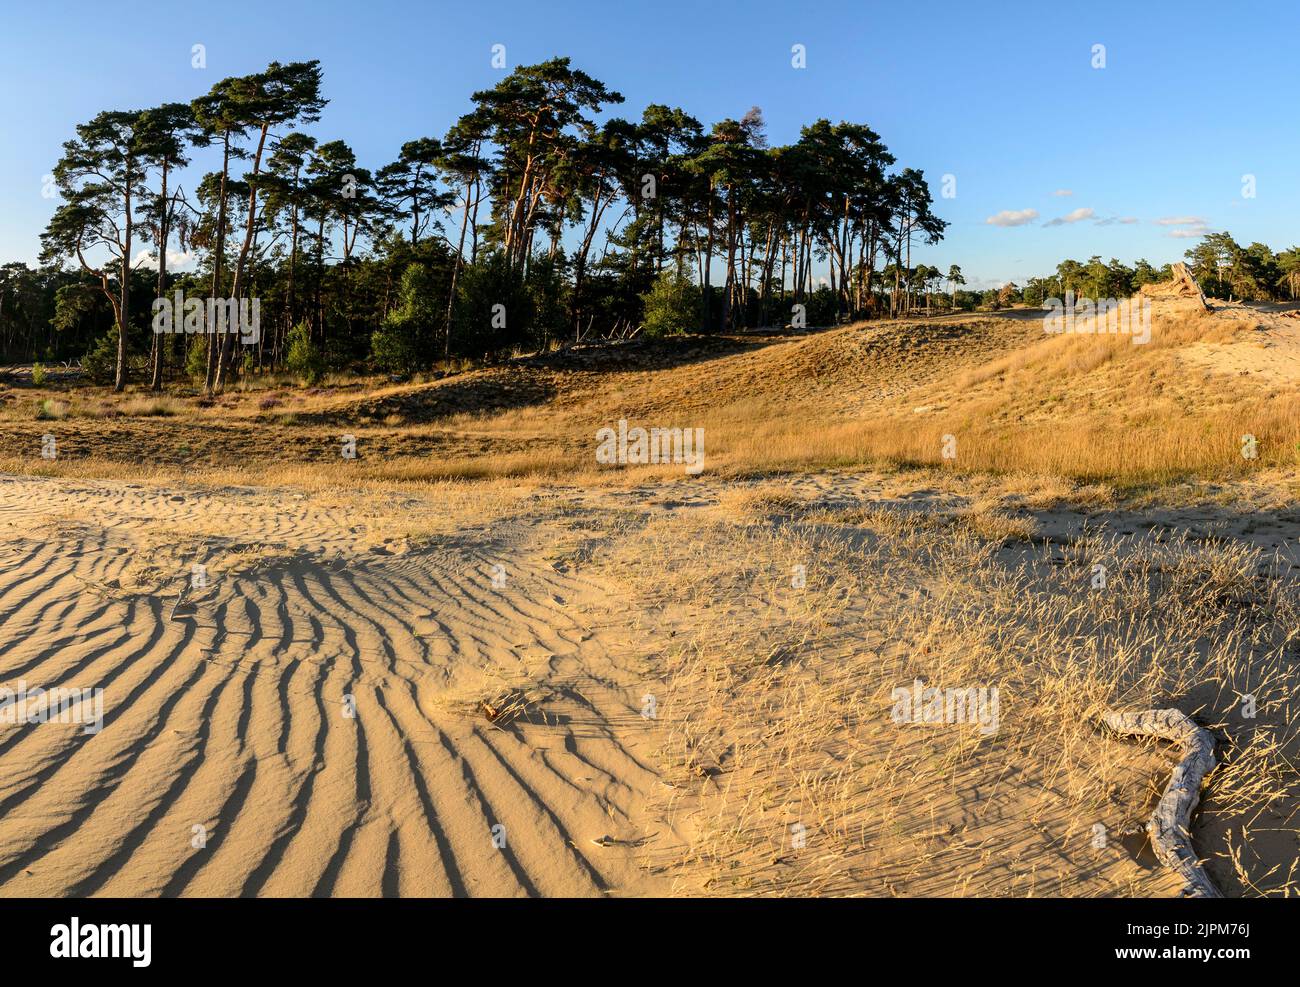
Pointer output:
231, 714
384, 685
497, 644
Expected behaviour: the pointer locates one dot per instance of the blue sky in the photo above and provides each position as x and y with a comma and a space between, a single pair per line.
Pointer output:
1002, 96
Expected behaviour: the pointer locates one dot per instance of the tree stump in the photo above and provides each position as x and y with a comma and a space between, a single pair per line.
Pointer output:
1181, 285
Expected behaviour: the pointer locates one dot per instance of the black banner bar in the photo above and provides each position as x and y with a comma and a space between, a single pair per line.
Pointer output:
508, 937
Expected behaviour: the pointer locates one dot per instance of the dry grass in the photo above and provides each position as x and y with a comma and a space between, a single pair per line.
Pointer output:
1150, 450
778, 709
1006, 399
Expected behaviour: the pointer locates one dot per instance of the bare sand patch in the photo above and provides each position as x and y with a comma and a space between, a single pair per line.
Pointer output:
636, 683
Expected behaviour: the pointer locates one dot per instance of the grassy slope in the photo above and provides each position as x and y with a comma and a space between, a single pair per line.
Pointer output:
1090, 408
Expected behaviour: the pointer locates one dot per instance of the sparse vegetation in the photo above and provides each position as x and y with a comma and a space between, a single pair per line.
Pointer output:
781, 702
601, 501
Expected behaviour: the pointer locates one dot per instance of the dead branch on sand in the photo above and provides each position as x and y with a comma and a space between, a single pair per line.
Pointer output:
1170, 824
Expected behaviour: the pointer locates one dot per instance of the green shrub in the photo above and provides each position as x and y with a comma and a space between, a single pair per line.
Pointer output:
398, 346
672, 305
50, 409
196, 359
404, 342
548, 286
100, 364
304, 359
38, 375
494, 310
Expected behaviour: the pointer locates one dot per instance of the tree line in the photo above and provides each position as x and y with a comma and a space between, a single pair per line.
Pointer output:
538, 218
1222, 267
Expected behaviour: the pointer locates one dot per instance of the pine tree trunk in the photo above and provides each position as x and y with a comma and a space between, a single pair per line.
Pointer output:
210, 373
124, 310
155, 383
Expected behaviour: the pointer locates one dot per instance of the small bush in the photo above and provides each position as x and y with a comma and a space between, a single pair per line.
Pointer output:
304, 360
49, 409
405, 341
196, 359
100, 363
494, 310
38, 375
395, 347
672, 305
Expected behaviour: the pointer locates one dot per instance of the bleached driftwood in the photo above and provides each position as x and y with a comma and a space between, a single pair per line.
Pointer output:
1170, 825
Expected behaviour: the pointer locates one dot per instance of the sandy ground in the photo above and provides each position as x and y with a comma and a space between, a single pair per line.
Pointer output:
473, 662
1270, 353
446, 694
228, 711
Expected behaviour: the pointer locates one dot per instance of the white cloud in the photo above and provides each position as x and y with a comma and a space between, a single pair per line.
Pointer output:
1064, 192
1013, 217
1187, 226
1077, 216
983, 284
175, 259
1191, 227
